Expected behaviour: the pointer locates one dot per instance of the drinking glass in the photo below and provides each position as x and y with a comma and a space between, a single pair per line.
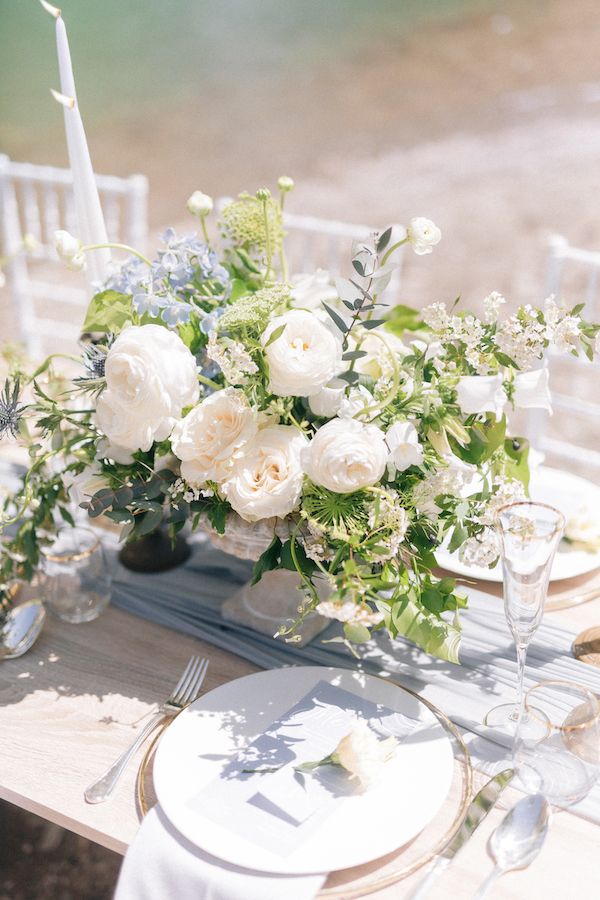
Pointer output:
76, 582
529, 535
557, 745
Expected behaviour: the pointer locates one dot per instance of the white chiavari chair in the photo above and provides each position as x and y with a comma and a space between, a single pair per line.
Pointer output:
38, 200
571, 437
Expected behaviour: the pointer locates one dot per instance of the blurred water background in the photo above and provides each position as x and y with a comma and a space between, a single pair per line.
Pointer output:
482, 114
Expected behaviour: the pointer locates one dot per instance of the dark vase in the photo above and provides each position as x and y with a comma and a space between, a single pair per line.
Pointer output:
155, 552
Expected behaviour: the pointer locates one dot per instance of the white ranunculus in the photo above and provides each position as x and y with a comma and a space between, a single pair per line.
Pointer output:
150, 378
328, 400
423, 234
532, 390
403, 443
345, 455
362, 754
200, 204
304, 358
357, 400
583, 530
311, 291
210, 438
69, 250
481, 394
83, 486
267, 480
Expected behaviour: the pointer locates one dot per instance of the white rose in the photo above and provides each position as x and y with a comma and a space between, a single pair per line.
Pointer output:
311, 291
403, 443
267, 480
209, 439
583, 529
345, 455
328, 400
83, 486
150, 377
304, 358
358, 399
532, 390
423, 234
200, 204
481, 394
106, 450
363, 755
69, 250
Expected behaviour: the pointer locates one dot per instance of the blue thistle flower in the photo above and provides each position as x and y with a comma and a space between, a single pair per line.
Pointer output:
11, 410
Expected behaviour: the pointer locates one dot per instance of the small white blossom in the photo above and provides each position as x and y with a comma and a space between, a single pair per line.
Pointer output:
506, 490
566, 334
481, 550
436, 316
446, 482
232, 358
353, 613
491, 306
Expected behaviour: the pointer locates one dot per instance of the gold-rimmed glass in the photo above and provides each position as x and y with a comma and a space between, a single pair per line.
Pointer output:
529, 535
557, 745
75, 582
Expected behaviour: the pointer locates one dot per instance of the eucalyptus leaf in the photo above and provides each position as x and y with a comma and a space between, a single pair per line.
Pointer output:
337, 319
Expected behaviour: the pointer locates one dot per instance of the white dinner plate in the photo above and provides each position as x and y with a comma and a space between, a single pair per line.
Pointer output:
197, 751
566, 492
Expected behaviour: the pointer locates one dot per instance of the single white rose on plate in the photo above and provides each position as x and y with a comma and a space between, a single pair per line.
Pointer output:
311, 291
423, 234
267, 479
361, 753
481, 394
150, 378
83, 486
583, 530
211, 437
405, 449
305, 356
345, 455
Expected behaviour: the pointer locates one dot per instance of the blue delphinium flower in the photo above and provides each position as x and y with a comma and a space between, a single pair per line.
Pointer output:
129, 278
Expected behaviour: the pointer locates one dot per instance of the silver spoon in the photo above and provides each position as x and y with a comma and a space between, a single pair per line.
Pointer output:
20, 628
518, 838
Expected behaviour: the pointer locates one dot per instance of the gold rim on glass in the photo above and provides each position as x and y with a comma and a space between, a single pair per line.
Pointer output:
74, 557
534, 713
376, 884
561, 519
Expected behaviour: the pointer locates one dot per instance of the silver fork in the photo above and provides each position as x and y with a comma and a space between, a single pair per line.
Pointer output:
186, 692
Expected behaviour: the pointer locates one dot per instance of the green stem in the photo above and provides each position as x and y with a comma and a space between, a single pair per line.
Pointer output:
267, 242
205, 231
209, 382
393, 391
392, 248
111, 246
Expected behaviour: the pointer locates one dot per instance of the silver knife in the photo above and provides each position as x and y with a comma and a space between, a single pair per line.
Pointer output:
478, 809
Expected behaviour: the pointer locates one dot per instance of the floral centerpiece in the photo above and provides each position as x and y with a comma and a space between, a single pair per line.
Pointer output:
341, 438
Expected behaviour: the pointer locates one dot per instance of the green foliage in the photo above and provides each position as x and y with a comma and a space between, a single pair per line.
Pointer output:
109, 311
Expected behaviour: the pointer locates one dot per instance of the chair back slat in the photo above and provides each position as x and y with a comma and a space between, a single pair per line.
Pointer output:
39, 200
572, 276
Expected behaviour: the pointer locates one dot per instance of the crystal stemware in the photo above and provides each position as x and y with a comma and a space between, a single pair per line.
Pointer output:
557, 745
529, 535
76, 581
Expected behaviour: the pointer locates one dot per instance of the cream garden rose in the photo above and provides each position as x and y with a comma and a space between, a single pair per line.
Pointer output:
267, 480
305, 356
345, 455
361, 753
210, 438
150, 378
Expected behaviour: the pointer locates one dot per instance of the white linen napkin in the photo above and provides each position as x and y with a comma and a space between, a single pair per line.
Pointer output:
161, 864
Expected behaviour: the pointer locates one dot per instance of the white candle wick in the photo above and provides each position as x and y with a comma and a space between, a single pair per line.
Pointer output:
53, 10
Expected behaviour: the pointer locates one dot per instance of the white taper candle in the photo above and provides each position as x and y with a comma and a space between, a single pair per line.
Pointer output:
90, 219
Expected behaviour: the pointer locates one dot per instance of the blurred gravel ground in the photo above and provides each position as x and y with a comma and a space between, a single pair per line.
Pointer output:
44, 862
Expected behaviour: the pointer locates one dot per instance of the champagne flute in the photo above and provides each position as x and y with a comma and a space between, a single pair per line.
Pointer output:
529, 535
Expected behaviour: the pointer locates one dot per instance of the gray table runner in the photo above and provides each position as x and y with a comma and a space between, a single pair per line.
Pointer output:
188, 599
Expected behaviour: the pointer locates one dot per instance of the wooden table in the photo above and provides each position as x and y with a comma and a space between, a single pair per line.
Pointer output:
74, 702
